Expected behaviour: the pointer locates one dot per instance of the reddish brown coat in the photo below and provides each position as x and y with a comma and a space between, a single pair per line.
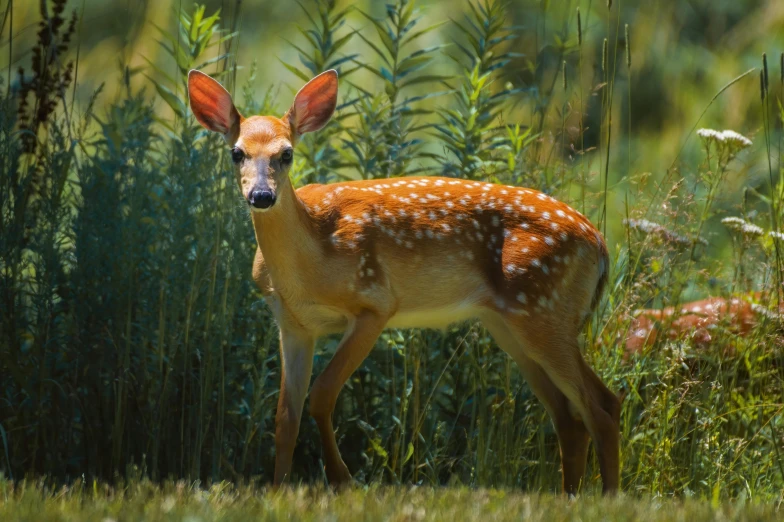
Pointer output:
695, 321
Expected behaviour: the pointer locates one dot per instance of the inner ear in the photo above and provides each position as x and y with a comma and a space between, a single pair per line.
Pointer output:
212, 106
314, 103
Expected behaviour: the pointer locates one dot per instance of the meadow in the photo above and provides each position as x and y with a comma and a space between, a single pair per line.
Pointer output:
143, 501
139, 368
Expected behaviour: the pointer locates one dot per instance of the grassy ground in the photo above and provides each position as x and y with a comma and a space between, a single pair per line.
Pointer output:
183, 502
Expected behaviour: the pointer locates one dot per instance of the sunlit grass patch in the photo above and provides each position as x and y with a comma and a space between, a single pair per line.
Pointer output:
143, 501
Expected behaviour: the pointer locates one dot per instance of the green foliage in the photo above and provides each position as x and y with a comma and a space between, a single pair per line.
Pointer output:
395, 32
364, 147
249, 104
473, 130
51, 73
323, 42
187, 48
318, 160
399, 152
122, 300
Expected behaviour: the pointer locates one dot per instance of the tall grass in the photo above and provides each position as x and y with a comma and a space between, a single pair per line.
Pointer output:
132, 340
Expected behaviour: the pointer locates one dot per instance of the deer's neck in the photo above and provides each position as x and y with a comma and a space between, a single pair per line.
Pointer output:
284, 235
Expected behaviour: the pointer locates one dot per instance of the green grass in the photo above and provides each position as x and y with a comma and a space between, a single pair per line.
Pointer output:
143, 501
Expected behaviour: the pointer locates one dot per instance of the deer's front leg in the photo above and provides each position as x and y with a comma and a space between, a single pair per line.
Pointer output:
296, 358
357, 342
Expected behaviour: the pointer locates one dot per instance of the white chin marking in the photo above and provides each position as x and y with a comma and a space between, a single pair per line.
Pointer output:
259, 210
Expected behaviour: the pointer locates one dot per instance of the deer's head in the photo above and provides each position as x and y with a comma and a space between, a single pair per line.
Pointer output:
262, 147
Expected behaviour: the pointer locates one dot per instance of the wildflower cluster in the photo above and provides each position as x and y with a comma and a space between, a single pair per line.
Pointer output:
728, 137
710, 134
728, 143
651, 228
747, 229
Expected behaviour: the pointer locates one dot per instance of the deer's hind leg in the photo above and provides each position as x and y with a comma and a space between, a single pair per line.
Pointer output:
572, 434
551, 342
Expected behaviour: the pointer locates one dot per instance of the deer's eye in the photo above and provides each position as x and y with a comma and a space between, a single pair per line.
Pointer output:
286, 156
237, 155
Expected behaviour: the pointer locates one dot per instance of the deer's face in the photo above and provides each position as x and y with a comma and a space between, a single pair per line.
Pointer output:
262, 147
262, 156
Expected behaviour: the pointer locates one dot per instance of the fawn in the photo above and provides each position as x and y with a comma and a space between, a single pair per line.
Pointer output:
695, 321
358, 257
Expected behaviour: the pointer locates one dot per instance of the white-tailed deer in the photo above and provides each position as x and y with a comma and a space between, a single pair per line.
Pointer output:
358, 257
696, 321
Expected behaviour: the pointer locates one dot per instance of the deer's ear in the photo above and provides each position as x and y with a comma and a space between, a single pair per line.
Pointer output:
314, 103
212, 106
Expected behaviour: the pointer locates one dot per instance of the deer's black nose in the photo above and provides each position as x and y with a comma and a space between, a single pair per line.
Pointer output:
261, 198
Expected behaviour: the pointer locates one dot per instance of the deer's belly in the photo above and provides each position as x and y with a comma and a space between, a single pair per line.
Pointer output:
323, 319
433, 317
326, 320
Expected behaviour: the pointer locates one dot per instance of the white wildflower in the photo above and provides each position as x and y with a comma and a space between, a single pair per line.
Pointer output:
776, 235
649, 227
710, 134
752, 230
643, 225
742, 226
736, 139
728, 142
734, 223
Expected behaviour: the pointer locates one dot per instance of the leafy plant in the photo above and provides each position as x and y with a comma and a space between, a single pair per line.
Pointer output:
364, 147
318, 159
473, 130
51, 75
195, 36
399, 70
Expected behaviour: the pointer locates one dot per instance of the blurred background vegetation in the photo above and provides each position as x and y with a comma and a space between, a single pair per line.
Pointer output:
133, 341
